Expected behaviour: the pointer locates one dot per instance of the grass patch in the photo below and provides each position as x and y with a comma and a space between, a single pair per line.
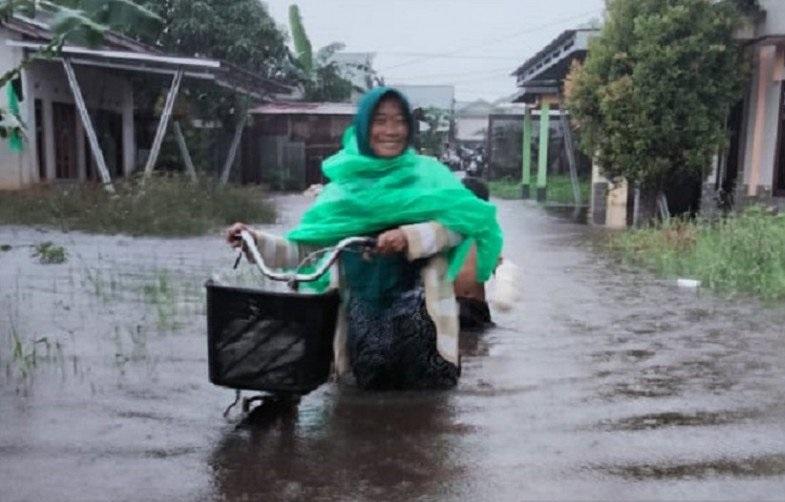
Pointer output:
744, 253
50, 253
168, 205
559, 189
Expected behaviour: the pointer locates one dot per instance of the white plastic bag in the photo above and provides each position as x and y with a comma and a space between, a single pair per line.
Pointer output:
507, 286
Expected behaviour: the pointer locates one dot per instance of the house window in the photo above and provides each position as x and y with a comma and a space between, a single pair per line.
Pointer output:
778, 185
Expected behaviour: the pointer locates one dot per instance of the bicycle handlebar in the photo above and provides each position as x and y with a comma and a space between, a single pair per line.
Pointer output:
294, 277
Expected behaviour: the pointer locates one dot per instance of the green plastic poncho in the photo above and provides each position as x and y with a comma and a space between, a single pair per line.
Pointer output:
367, 194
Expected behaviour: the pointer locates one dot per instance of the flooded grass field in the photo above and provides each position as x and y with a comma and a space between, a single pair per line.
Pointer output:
605, 383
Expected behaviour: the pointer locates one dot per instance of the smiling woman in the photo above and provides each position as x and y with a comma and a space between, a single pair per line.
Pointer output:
390, 128
399, 327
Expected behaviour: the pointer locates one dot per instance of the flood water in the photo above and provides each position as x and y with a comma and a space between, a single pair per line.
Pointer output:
605, 383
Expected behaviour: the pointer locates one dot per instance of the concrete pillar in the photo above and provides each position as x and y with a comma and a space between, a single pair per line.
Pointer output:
616, 215
526, 150
129, 132
542, 155
49, 138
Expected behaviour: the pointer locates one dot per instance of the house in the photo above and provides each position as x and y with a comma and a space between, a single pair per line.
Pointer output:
288, 141
80, 110
752, 167
471, 122
541, 80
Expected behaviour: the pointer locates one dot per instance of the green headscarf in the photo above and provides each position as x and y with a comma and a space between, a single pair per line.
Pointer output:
367, 194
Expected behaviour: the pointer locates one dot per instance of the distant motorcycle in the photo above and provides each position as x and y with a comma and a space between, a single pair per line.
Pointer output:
476, 162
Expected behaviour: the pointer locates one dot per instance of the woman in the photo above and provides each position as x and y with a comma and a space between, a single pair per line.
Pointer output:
398, 324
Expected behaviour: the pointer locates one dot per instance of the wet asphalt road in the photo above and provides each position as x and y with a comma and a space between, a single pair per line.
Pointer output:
604, 384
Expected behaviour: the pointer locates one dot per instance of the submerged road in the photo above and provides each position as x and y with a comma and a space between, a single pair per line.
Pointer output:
605, 383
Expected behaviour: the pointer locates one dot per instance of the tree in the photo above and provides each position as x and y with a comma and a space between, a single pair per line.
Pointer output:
431, 140
322, 79
651, 100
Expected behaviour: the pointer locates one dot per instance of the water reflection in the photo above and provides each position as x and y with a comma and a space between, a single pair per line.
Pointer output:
340, 444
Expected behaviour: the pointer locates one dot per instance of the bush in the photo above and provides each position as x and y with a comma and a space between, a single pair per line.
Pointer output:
743, 253
559, 189
167, 205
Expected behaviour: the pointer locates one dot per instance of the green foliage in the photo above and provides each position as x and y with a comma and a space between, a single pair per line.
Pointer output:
240, 32
652, 98
743, 253
431, 141
302, 46
322, 80
167, 206
50, 253
559, 189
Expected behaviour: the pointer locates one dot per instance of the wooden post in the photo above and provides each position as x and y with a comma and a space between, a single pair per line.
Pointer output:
189, 165
95, 147
569, 147
238, 135
526, 179
542, 155
158, 140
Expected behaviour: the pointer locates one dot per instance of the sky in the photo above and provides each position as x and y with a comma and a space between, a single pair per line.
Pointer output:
472, 44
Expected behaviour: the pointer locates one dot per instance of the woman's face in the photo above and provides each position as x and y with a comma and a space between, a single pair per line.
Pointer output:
389, 129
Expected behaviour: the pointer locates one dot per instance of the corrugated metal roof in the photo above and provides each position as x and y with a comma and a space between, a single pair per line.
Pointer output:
303, 108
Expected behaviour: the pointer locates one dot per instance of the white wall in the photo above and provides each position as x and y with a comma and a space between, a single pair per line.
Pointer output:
466, 128
774, 23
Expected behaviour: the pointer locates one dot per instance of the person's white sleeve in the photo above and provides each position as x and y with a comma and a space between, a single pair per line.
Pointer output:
429, 238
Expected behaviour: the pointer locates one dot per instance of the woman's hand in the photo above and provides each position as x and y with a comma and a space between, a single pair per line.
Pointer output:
392, 241
234, 239
233, 234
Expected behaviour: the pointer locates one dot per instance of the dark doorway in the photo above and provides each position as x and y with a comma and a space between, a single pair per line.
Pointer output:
109, 130
727, 176
64, 116
778, 185
39, 139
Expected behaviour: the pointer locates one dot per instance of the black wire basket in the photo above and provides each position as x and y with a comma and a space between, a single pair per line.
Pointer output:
269, 341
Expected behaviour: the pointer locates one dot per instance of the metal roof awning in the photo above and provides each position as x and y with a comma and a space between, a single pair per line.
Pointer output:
299, 108
530, 91
221, 73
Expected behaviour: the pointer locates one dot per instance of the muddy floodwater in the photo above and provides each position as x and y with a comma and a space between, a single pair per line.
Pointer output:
604, 383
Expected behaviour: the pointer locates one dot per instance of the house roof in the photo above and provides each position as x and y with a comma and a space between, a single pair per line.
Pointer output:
123, 53
553, 61
478, 108
304, 108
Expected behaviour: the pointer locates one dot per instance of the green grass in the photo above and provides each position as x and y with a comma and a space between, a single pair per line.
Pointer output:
740, 254
559, 190
167, 205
